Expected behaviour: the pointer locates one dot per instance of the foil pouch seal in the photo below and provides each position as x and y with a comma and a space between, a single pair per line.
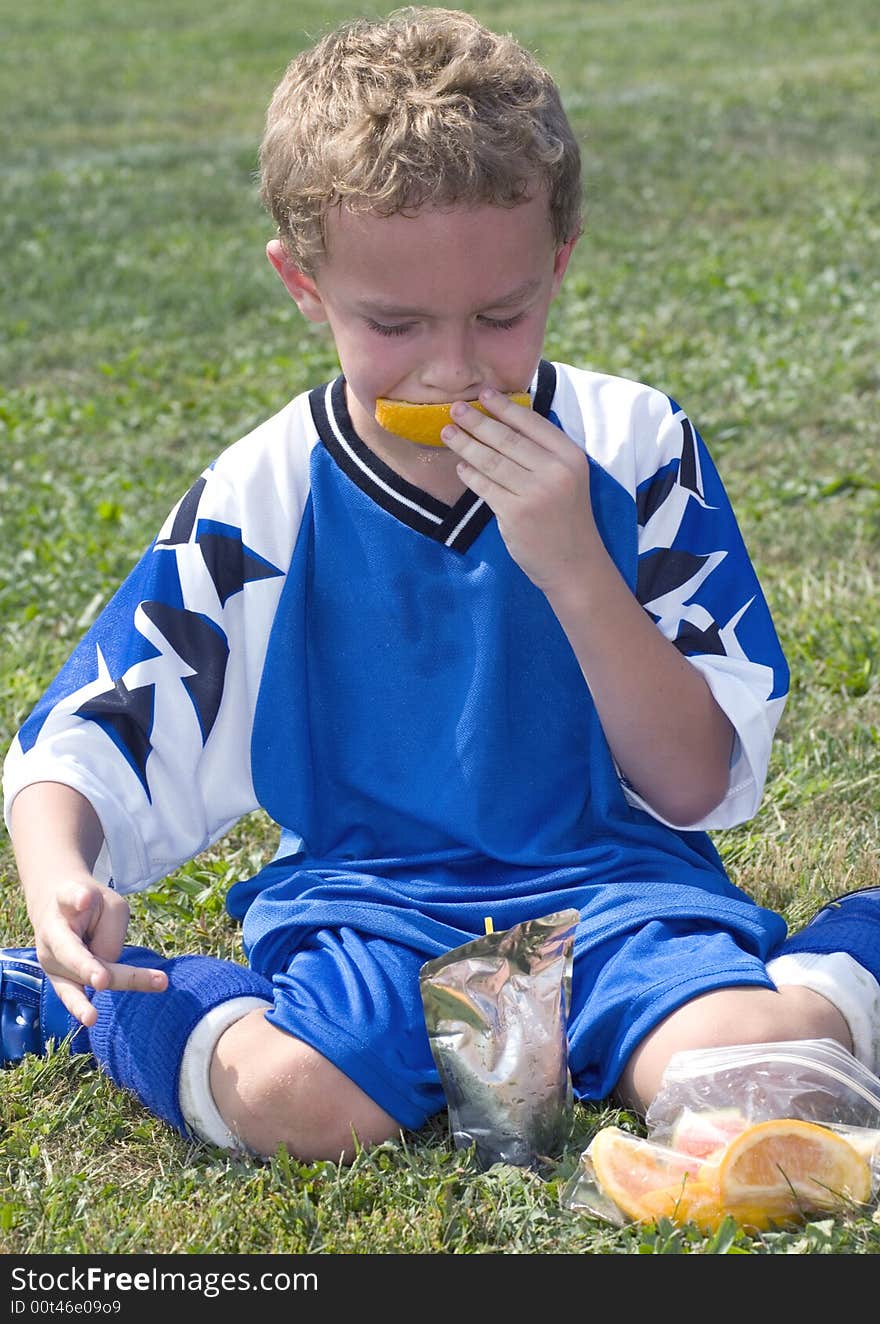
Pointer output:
496, 1011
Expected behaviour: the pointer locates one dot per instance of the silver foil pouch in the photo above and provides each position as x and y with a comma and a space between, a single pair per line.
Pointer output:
496, 1011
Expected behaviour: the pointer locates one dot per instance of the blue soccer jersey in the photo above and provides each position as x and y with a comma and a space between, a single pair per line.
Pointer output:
312, 635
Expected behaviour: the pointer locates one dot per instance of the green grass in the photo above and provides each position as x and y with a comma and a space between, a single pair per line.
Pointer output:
733, 220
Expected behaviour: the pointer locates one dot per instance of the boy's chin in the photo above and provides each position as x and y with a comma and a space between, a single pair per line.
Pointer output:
422, 424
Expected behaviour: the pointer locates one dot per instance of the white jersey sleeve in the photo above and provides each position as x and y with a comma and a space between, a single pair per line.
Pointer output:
689, 567
169, 671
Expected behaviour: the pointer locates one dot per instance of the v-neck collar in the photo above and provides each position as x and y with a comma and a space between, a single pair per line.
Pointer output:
458, 525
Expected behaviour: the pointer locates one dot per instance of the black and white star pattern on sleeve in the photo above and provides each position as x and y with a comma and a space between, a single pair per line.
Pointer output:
230, 563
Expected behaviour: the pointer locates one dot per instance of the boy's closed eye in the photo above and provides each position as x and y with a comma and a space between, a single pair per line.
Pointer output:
390, 329
501, 323
404, 328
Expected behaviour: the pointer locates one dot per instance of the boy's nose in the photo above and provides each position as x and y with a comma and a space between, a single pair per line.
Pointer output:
452, 369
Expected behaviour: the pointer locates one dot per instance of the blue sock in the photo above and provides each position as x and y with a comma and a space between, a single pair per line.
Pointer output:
139, 1038
851, 924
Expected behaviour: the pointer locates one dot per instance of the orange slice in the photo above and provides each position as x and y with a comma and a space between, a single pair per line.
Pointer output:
636, 1173
422, 424
784, 1168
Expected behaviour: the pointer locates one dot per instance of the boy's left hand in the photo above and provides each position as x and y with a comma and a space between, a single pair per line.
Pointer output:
537, 482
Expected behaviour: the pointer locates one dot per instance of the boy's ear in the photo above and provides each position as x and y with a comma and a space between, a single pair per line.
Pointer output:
560, 262
301, 288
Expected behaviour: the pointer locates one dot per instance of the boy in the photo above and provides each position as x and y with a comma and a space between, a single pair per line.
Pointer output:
524, 670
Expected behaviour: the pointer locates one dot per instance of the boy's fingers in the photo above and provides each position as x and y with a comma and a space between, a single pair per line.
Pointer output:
74, 1000
82, 967
65, 958
136, 978
477, 457
491, 446
129, 978
525, 422
526, 443
107, 937
82, 970
491, 431
99, 919
120, 978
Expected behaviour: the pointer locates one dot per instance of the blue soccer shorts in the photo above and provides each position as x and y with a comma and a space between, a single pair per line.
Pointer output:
354, 995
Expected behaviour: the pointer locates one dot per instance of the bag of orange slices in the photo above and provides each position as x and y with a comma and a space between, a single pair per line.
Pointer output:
772, 1134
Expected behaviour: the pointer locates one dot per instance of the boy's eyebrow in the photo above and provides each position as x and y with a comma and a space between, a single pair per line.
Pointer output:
523, 291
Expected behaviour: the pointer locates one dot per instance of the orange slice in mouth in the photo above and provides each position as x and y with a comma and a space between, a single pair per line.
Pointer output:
422, 424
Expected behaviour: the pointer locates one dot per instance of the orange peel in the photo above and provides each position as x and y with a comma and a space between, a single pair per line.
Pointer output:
422, 424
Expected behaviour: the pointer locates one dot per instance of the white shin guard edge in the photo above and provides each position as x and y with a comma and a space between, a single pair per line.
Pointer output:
849, 986
194, 1092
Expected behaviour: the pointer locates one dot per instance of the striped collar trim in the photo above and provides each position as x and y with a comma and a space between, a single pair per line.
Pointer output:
457, 526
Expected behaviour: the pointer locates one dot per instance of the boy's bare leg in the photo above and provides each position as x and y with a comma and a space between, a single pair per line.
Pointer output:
272, 1089
729, 1016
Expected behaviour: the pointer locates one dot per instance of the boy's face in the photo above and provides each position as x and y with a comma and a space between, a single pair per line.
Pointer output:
432, 307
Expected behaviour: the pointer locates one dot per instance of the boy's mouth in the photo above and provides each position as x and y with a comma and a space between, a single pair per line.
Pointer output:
422, 424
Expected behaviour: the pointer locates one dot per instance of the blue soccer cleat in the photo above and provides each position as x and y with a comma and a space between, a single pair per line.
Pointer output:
30, 1013
850, 923
21, 983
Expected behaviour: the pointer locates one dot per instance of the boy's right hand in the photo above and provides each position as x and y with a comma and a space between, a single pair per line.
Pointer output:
79, 924
79, 934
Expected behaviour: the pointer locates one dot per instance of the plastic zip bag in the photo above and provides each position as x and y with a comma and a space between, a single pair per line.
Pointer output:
769, 1133
496, 1011
816, 1080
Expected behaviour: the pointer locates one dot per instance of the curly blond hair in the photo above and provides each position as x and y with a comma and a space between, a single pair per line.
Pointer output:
425, 106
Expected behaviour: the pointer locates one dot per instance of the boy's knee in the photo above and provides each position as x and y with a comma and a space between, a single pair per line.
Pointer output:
724, 1017
274, 1090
